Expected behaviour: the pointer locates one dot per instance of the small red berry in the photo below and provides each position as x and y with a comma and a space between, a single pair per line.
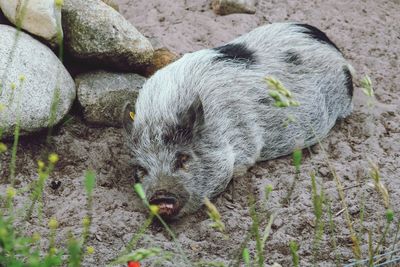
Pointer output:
133, 264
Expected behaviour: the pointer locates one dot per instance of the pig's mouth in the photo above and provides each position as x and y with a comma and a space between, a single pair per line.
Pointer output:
168, 205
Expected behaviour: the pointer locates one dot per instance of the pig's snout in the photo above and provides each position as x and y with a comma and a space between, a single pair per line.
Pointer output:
169, 204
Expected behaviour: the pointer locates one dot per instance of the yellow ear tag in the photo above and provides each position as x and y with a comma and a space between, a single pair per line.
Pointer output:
132, 115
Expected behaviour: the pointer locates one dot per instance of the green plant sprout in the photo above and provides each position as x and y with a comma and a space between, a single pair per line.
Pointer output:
246, 257
378, 185
215, 216
368, 90
282, 96
332, 233
16, 133
38, 187
294, 248
318, 199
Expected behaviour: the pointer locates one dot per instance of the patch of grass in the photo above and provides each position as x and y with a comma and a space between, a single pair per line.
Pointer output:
339, 187
153, 210
246, 257
389, 220
332, 232
16, 134
297, 156
318, 205
368, 90
38, 186
255, 230
215, 216
379, 186
281, 95
294, 248
18, 249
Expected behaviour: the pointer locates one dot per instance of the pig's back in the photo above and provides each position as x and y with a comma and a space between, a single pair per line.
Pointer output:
311, 66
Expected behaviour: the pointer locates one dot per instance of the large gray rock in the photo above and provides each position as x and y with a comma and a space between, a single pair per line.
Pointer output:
94, 31
31, 75
112, 4
103, 95
226, 7
39, 17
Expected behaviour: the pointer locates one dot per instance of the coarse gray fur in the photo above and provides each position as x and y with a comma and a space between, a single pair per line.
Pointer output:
241, 124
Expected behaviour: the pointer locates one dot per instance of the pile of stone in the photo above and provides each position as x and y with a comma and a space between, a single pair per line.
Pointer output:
37, 90
226, 7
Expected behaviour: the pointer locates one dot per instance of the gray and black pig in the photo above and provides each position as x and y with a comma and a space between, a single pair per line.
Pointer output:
208, 116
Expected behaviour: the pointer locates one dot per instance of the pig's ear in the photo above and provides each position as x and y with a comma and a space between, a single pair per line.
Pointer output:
191, 121
128, 117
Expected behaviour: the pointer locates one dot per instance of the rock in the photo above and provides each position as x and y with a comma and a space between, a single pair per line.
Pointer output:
161, 58
103, 94
112, 4
226, 7
34, 72
39, 17
96, 32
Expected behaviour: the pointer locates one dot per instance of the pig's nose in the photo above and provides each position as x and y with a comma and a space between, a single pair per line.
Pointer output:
167, 203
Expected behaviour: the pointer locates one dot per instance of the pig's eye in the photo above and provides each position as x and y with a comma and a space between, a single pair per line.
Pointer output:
140, 172
181, 161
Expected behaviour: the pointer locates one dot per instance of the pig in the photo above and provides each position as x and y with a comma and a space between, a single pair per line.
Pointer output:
208, 116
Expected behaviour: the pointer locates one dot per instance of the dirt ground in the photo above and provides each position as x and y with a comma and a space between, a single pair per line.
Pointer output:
368, 33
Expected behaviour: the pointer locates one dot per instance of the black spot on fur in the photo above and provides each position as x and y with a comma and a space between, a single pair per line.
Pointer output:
177, 135
237, 53
190, 124
317, 34
293, 58
348, 81
168, 138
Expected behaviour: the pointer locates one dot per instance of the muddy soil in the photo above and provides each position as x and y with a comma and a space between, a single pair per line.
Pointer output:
368, 34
